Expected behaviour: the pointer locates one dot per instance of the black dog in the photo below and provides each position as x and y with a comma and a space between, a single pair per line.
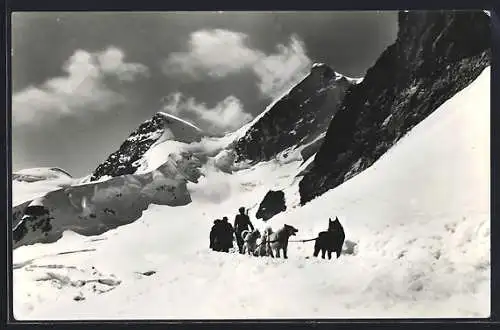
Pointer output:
330, 240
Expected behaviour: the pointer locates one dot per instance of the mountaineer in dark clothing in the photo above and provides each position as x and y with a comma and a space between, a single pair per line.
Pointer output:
241, 223
215, 235
226, 235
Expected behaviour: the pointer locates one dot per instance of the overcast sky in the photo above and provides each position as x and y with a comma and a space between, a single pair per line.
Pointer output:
83, 81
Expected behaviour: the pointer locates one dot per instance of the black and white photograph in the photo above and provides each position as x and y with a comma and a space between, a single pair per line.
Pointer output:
246, 165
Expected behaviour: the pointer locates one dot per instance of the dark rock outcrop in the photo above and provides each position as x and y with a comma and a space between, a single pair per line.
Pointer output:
297, 118
436, 54
18, 212
36, 218
160, 126
272, 204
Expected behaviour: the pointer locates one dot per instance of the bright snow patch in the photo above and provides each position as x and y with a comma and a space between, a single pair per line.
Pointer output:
28, 184
318, 65
354, 80
168, 115
158, 155
306, 165
40, 173
419, 216
24, 191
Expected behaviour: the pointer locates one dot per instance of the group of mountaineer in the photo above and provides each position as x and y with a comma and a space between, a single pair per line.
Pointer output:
221, 235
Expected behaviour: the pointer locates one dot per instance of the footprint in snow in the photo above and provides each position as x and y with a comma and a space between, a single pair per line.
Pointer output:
79, 297
148, 273
97, 239
108, 281
52, 266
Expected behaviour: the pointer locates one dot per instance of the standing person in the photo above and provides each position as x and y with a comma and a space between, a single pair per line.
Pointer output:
241, 223
215, 235
226, 235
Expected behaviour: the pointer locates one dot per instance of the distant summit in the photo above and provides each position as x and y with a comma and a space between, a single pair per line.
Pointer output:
160, 128
298, 118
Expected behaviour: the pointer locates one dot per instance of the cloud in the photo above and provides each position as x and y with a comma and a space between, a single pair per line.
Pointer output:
111, 62
83, 88
214, 52
225, 116
279, 72
218, 53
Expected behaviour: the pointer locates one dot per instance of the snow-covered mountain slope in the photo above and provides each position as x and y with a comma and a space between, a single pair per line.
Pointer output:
93, 208
32, 183
436, 54
39, 174
420, 217
297, 118
23, 191
160, 128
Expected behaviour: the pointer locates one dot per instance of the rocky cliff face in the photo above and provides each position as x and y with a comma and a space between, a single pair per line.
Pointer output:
436, 54
159, 128
297, 118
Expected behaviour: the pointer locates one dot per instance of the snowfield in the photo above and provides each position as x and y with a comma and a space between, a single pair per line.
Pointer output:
26, 191
32, 183
40, 173
417, 224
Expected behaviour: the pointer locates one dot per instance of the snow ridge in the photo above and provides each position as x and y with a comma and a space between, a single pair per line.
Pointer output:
168, 115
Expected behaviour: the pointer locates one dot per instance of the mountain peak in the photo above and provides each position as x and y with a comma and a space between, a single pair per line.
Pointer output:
323, 68
319, 65
328, 72
159, 128
297, 118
